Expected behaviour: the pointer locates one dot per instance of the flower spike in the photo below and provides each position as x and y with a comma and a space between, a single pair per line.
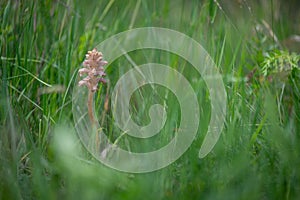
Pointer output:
93, 68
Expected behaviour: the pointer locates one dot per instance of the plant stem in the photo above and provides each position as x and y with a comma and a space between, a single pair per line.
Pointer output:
91, 116
90, 107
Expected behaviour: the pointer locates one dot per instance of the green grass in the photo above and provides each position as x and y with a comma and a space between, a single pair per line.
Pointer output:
42, 47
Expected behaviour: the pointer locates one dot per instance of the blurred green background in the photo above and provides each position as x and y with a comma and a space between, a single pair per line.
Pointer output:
256, 46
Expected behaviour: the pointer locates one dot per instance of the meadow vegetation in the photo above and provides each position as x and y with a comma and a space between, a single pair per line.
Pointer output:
256, 47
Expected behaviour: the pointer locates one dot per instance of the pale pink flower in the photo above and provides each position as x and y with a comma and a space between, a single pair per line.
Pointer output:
93, 69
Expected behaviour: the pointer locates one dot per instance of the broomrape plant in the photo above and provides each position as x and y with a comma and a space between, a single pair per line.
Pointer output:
94, 71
